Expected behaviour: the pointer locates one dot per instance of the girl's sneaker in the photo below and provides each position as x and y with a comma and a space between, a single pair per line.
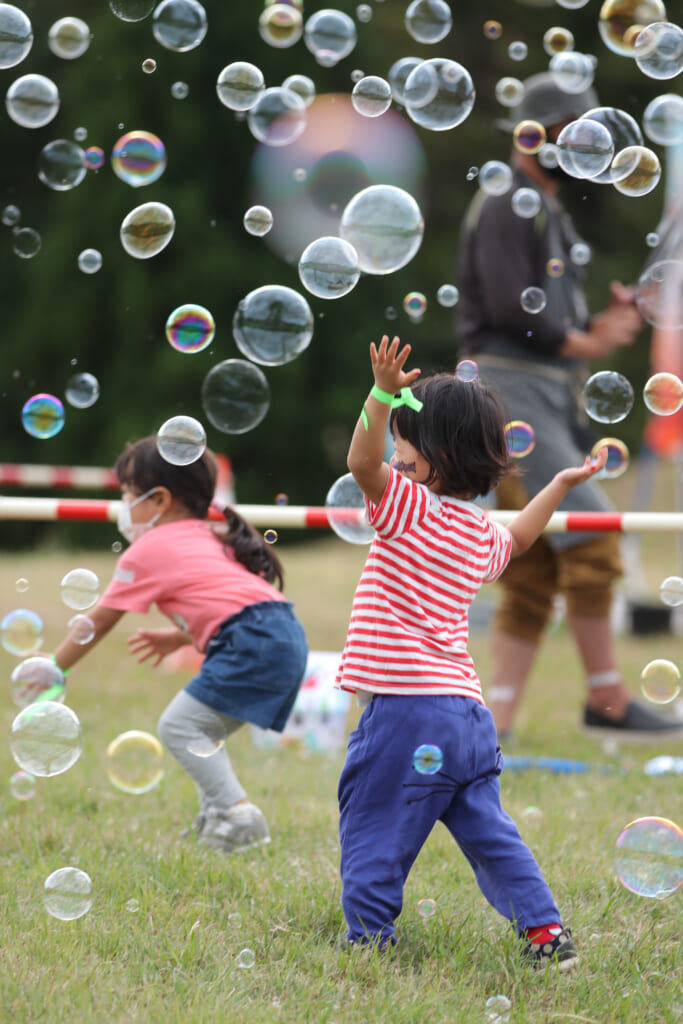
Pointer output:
239, 828
550, 944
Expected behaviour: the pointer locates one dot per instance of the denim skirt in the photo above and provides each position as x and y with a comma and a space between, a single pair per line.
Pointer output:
254, 665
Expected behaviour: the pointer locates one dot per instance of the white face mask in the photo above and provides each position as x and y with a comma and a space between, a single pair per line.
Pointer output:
127, 528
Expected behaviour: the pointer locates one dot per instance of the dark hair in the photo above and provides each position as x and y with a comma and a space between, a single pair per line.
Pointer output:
460, 432
141, 467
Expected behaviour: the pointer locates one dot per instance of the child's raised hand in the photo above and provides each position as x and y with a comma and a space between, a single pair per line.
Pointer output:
388, 363
156, 643
577, 475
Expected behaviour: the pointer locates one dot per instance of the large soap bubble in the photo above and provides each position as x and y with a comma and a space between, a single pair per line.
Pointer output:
371, 96
45, 738
398, 75
181, 440
147, 229
281, 25
428, 21
608, 397
138, 158
61, 165
385, 226
659, 294
179, 25
135, 762
636, 171
328, 268
239, 85
36, 678
663, 119
42, 415
658, 50
663, 394
32, 101
21, 632
660, 681
67, 894
584, 148
131, 10
621, 20
277, 117
69, 38
80, 589
649, 857
330, 35
16, 35
235, 396
273, 325
623, 128
344, 503
439, 94
572, 72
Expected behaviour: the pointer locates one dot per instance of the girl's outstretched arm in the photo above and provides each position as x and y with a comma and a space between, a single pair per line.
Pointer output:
366, 451
103, 619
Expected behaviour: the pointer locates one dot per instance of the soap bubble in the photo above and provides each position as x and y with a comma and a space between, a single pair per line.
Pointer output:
384, 224
344, 503
180, 90
131, 10
21, 632
658, 294
371, 96
328, 268
467, 370
398, 75
495, 178
45, 738
649, 857
22, 785
533, 300
658, 50
449, 104
580, 254
181, 440
179, 25
520, 439
149, 65
235, 396
572, 5
671, 591
281, 25
82, 390
132, 906
190, 328
415, 305
528, 136
147, 229
239, 85
572, 72
557, 39
330, 35
81, 629
42, 416
21, 585
138, 158
509, 91
663, 394
205, 745
277, 117
270, 536
447, 296
428, 21
93, 158
526, 202
245, 959
258, 220
33, 678
554, 267
492, 29
26, 243
427, 759
69, 38
364, 13
302, 85
608, 397
636, 171
90, 261
80, 589
663, 119
426, 908
518, 50
10, 215
273, 325
623, 128
547, 156
135, 762
16, 35
660, 681
617, 457
621, 21
67, 894
61, 165
584, 148
497, 1010
32, 101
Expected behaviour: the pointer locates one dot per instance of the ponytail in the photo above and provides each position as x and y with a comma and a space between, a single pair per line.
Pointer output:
251, 550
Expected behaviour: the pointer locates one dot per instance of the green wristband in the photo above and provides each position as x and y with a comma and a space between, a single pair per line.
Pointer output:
381, 396
64, 671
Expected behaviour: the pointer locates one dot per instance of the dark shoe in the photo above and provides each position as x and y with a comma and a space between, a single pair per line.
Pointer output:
637, 725
555, 946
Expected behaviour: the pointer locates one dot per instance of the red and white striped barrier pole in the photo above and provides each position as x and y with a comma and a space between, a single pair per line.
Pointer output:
316, 517
19, 474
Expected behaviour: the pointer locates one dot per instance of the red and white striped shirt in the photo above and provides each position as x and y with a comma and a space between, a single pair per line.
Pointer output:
428, 560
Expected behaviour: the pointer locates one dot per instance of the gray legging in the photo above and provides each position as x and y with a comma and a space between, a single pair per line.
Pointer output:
187, 725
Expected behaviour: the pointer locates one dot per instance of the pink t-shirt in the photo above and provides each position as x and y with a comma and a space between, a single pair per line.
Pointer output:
192, 577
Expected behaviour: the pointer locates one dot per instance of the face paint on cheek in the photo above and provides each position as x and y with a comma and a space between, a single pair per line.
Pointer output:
404, 467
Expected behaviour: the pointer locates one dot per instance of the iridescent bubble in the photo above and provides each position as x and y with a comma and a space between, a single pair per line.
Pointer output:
526, 202
82, 390
649, 857
554, 267
428, 21
492, 29
21, 585
138, 158
509, 91
528, 136
273, 325
89, 261
81, 629
328, 268
427, 759
636, 171
660, 681
623, 128
180, 90
181, 440
303, 86
93, 158
495, 178
619, 19
608, 397
281, 25
533, 300
135, 762
426, 908
663, 394
451, 102
10, 215
447, 296
663, 119
520, 439
245, 959
580, 254
239, 85
235, 396
69, 38
179, 25
33, 678
467, 370
277, 117
658, 50
557, 39
46, 739
16, 36
658, 294
42, 416
415, 305
398, 75
131, 10
21, 632
22, 785
371, 96
571, 71
258, 220
67, 894
671, 591
32, 101
584, 148
518, 50
80, 589
147, 229
149, 65
617, 457
190, 328
61, 165
330, 35
385, 226
497, 1010
345, 504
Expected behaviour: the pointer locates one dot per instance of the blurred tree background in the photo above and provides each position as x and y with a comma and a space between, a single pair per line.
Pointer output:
57, 320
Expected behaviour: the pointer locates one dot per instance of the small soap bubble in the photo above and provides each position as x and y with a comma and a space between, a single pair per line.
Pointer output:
69, 38
585, 148
67, 894
21, 632
239, 85
495, 178
270, 536
80, 589
181, 440
258, 220
190, 328
364, 13
42, 416
580, 254
235, 920
278, 117
35, 679
526, 202
426, 908
428, 21
82, 390
415, 305
299, 174
22, 785
518, 50
93, 158
328, 268
660, 681
617, 457
149, 65
439, 94
532, 813
608, 397
447, 296
671, 591
281, 499
345, 505
649, 857
235, 396
46, 738
330, 35
135, 762
636, 171
547, 156
385, 226
132, 906
652, 239
529, 136
390, 313
147, 229
32, 101
663, 394
302, 85
371, 96
80, 134
658, 50
179, 25
10, 215
281, 25
205, 745
520, 438
533, 300
663, 119
472, 173
138, 158
132, 10
117, 547
554, 267
572, 72
427, 759
180, 90
245, 959
81, 629
467, 371
398, 75
492, 29
557, 39
497, 1010
509, 91
21, 585
26, 243
273, 325
61, 165
89, 261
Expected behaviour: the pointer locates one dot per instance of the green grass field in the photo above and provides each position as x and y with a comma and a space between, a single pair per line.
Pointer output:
174, 959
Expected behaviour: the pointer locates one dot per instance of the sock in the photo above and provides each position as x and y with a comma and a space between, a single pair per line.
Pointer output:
540, 934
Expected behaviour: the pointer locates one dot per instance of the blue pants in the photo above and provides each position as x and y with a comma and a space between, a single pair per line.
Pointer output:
387, 810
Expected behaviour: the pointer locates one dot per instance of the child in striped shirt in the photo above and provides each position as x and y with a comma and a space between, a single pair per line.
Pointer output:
406, 655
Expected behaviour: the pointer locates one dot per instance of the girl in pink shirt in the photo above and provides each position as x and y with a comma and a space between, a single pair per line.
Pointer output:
221, 592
